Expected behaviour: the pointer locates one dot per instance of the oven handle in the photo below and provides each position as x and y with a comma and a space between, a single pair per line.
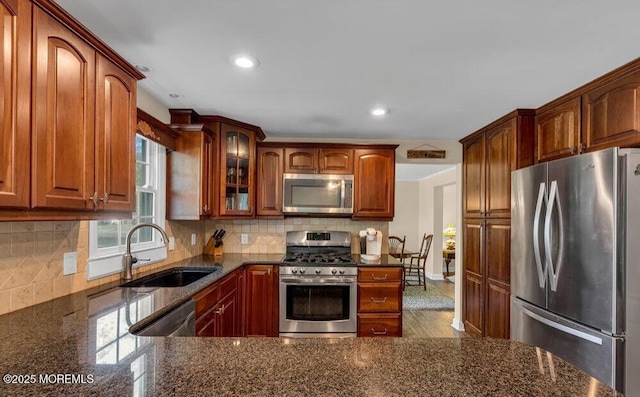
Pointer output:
318, 280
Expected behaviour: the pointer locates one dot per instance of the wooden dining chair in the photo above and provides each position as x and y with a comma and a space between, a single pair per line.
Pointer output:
417, 263
396, 247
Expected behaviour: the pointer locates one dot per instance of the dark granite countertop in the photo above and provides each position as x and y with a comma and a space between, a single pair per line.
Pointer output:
79, 345
384, 261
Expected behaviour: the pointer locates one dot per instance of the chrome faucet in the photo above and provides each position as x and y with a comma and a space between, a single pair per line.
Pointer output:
129, 259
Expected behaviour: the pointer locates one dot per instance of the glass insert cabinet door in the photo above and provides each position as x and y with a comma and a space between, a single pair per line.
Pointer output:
237, 171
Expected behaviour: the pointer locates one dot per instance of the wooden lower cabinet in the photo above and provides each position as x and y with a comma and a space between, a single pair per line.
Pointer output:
217, 308
487, 277
387, 324
380, 301
261, 307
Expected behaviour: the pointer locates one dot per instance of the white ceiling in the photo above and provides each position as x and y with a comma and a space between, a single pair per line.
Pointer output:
444, 68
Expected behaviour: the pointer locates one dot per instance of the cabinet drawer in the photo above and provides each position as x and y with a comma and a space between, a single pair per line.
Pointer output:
379, 325
379, 297
206, 299
381, 274
228, 284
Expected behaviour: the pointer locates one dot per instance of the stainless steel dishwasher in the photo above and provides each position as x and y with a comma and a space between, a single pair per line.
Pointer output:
178, 322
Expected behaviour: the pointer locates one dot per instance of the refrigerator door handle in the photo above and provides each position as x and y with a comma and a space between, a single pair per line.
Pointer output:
542, 272
553, 270
561, 327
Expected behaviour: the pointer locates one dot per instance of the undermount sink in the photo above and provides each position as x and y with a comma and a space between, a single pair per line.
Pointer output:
176, 277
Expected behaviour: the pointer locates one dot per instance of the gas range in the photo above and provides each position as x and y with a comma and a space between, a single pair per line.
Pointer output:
318, 285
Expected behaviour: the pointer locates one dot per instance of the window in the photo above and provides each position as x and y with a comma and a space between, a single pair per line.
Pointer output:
107, 237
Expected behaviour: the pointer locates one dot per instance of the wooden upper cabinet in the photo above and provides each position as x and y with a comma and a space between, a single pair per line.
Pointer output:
611, 114
15, 44
237, 171
374, 183
314, 160
558, 131
501, 154
269, 182
63, 118
335, 160
301, 160
489, 156
115, 136
190, 175
473, 176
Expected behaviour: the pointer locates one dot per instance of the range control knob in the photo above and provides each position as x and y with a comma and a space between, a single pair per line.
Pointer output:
318, 271
334, 271
302, 271
294, 270
342, 271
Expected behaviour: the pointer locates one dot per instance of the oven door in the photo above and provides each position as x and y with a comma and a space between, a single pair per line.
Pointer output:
318, 305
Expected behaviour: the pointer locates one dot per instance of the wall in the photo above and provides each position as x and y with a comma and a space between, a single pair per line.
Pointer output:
405, 220
268, 236
449, 207
431, 193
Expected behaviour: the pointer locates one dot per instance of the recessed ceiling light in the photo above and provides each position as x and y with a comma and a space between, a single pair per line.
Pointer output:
245, 61
143, 68
379, 111
175, 95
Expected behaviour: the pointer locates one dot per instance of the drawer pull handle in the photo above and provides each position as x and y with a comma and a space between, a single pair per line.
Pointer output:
374, 300
373, 331
373, 276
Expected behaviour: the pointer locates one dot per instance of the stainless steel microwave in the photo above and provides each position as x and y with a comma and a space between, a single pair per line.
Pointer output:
317, 194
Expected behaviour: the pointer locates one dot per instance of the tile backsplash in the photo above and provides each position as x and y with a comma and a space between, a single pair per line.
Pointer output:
268, 236
31, 253
31, 258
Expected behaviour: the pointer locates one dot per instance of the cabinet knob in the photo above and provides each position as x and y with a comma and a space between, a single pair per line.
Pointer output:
105, 198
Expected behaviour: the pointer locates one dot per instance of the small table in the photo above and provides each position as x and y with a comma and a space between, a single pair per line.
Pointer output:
448, 256
402, 256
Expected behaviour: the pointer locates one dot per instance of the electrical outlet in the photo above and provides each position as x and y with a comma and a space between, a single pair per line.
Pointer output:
193, 239
70, 263
244, 238
172, 243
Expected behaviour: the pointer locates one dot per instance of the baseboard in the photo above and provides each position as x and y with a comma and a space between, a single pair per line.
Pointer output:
457, 325
435, 276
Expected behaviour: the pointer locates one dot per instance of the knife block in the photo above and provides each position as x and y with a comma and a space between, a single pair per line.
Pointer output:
217, 251
211, 249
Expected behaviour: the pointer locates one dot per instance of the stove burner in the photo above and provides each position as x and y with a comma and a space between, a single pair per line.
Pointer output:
312, 258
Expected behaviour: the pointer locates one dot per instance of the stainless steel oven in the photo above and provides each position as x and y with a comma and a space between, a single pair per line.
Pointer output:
318, 285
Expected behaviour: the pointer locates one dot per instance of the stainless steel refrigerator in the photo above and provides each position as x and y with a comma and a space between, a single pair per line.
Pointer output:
575, 262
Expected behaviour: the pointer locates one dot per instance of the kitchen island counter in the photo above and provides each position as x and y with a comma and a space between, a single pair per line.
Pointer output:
80, 345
